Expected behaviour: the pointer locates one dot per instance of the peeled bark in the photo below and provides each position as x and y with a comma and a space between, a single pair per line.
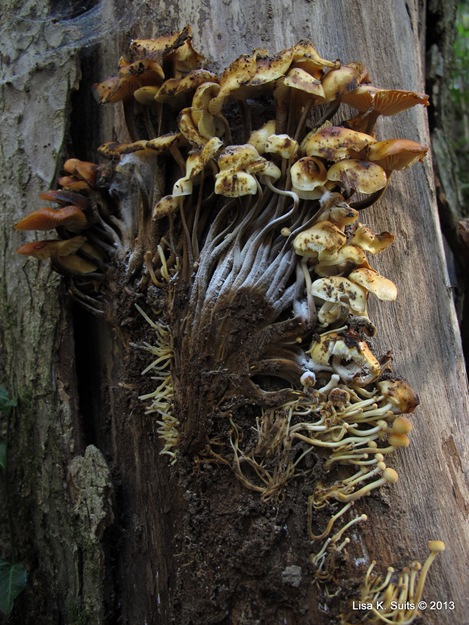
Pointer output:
108, 530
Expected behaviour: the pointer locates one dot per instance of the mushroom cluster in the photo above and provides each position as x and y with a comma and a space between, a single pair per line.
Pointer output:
238, 199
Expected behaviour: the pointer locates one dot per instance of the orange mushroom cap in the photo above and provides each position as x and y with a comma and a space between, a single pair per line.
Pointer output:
70, 217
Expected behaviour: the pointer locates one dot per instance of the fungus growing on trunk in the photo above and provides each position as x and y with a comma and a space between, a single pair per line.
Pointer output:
229, 208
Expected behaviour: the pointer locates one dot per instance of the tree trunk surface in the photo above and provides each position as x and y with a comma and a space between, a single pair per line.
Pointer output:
108, 530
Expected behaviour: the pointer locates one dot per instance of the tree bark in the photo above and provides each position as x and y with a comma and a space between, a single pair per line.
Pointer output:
108, 530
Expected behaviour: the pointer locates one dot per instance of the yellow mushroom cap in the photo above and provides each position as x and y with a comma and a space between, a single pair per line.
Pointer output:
390, 475
340, 289
235, 184
307, 174
237, 74
339, 81
348, 257
335, 143
363, 176
436, 546
323, 239
282, 145
164, 207
305, 53
258, 138
370, 242
372, 281
299, 79
402, 425
398, 440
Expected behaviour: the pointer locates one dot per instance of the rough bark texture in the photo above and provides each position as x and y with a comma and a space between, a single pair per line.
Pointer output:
117, 535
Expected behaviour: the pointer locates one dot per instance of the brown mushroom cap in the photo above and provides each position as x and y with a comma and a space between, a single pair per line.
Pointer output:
396, 153
70, 217
362, 176
167, 205
383, 101
52, 248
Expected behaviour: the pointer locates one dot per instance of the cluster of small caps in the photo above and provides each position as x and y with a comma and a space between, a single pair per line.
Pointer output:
166, 74
72, 217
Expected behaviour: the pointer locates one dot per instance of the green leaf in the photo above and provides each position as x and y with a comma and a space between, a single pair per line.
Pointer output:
3, 455
5, 401
13, 578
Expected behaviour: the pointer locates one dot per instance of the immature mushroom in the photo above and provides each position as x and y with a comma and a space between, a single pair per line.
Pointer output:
258, 138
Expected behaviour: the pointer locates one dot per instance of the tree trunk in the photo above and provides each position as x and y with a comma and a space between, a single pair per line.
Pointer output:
109, 531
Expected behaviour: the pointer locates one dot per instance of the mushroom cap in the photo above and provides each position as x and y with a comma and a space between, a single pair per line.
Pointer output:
270, 68
299, 79
70, 217
383, 101
112, 149
81, 169
339, 289
52, 248
402, 425
239, 157
164, 207
237, 74
371, 242
258, 138
335, 143
362, 176
400, 394
339, 81
348, 257
281, 145
307, 174
372, 281
323, 240
398, 440
189, 129
304, 53
436, 546
396, 153
163, 143
146, 95
66, 198
235, 184
340, 213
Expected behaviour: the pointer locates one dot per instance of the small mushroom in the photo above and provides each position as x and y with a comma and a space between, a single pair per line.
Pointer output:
167, 205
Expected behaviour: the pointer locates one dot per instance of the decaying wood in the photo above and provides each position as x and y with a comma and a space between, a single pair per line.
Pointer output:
178, 534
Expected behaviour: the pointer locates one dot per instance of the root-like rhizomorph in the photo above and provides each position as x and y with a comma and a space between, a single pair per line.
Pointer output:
238, 200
